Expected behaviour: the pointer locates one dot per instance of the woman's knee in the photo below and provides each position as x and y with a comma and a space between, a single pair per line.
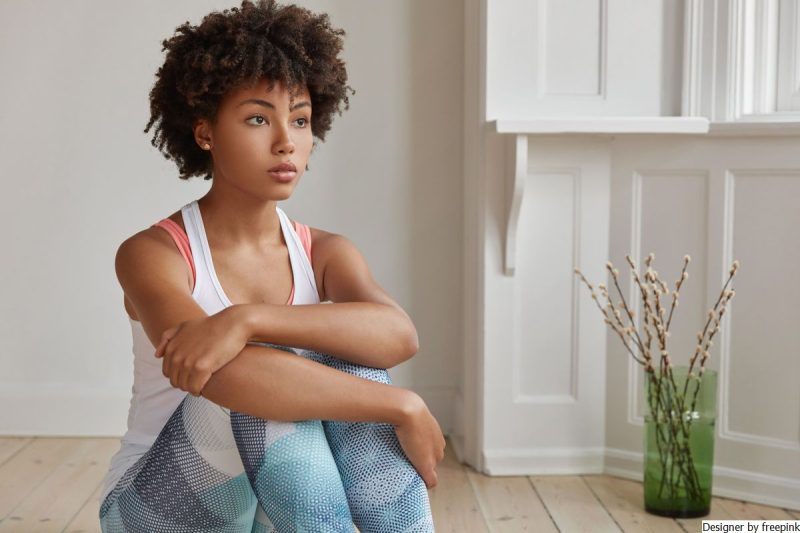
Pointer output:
293, 473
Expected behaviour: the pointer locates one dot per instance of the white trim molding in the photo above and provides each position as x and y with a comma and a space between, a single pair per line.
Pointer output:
740, 60
536, 461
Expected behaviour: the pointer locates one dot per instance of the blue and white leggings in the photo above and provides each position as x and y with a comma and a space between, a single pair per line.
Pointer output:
209, 471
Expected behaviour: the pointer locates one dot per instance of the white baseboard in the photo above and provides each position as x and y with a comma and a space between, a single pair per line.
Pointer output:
728, 482
564, 461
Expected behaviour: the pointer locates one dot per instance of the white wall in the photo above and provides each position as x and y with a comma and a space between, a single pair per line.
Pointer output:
79, 176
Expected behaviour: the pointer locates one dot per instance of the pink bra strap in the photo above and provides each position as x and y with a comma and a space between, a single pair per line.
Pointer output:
304, 233
181, 240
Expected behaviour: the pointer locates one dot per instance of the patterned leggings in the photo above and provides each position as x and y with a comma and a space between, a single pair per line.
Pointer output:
210, 471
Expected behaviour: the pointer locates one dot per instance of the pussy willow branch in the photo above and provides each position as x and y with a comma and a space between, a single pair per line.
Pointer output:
722, 301
619, 331
685, 466
682, 459
645, 301
684, 276
614, 275
655, 316
670, 400
716, 315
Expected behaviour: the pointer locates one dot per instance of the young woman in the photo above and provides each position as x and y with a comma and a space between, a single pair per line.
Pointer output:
255, 407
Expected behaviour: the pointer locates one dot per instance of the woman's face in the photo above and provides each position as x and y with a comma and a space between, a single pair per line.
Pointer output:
257, 129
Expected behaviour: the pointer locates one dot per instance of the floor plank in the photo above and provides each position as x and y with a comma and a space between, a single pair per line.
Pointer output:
23, 472
572, 504
87, 521
624, 500
453, 503
54, 484
54, 501
509, 504
740, 510
9, 446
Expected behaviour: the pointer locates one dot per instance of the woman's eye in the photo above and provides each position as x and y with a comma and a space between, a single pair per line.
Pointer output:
304, 122
258, 117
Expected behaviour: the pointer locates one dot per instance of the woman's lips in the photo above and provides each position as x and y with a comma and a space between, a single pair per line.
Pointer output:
284, 167
284, 176
284, 172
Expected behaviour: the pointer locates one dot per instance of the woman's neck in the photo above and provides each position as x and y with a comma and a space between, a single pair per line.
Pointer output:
239, 220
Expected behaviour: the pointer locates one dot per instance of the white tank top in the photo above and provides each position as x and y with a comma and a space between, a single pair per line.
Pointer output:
154, 399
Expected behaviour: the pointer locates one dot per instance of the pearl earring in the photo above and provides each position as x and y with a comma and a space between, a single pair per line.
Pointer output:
206, 146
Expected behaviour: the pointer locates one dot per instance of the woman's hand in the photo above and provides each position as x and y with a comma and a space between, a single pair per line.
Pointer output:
421, 439
195, 349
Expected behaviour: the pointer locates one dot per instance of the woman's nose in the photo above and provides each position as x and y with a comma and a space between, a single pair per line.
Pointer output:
283, 144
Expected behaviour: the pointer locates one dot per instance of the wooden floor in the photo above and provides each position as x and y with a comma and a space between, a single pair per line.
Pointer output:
54, 484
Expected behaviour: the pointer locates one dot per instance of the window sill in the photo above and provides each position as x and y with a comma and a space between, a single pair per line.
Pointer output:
603, 125
755, 128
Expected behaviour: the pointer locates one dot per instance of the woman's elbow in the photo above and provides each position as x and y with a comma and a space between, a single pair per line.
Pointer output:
411, 344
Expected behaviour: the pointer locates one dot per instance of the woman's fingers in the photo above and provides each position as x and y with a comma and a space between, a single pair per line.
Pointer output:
167, 364
431, 479
182, 373
198, 381
161, 345
175, 366
165, 338
180, 378
186, 374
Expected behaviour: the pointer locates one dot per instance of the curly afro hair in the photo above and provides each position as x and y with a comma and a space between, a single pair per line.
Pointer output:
241, 46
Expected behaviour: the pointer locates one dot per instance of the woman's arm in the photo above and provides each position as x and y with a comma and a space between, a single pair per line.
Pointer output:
283, 386
278, 385
364, 326
365, 333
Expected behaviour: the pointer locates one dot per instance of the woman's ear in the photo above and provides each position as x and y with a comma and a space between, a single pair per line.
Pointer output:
313, 147
202, 134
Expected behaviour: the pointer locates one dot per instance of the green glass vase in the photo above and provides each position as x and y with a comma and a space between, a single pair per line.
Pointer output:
679, 442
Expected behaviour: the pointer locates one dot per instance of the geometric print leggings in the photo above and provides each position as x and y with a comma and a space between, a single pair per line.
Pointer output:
210, 471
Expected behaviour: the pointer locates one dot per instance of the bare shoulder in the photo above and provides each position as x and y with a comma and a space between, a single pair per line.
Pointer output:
146, 253
148, 246
345, 275
320, 237
341, 271
327, 244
